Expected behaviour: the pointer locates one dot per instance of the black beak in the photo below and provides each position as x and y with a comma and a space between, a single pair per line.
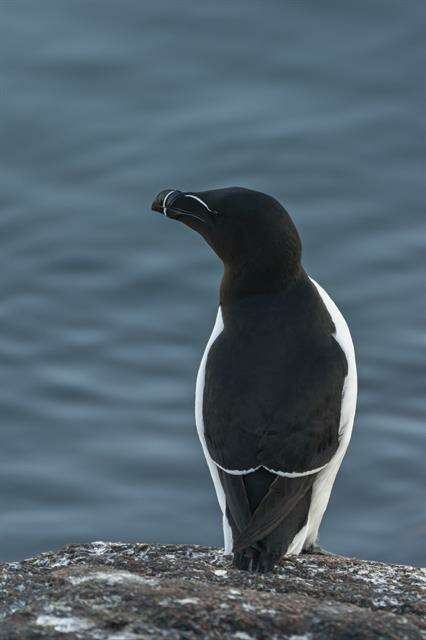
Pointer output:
182, 206
165, 197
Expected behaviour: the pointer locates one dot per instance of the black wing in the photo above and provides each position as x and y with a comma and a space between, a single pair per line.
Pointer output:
265, 512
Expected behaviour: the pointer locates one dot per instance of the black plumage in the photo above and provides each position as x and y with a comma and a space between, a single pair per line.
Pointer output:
274, 375
265, 512
273, 383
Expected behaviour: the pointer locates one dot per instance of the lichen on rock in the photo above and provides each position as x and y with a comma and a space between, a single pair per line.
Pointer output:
113, 591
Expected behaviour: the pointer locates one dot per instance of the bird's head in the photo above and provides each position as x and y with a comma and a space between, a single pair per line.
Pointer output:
247, 229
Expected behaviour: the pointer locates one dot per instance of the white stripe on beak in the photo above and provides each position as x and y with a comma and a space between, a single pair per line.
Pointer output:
165, 200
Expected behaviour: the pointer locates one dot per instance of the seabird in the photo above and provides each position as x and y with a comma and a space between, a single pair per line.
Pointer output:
277, 385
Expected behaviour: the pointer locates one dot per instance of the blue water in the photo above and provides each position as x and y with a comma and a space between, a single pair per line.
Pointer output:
105, 308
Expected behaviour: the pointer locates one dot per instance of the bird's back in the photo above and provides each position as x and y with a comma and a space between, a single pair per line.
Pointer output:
273, 377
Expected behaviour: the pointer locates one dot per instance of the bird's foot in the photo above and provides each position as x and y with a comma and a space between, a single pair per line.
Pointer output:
316, 549
255, 560
246, 559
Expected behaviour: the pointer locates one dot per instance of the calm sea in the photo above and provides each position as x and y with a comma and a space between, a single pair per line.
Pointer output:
105, 308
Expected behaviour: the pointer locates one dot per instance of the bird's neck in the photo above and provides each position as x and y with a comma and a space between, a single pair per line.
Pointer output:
249, 281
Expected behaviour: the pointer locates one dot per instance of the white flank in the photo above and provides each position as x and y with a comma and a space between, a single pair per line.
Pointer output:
323, 485
199, 420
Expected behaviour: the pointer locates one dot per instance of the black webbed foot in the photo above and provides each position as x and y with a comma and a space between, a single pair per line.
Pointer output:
246, 559
254, 560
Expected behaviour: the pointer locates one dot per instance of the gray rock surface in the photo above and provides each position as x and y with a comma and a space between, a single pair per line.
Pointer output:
108, 591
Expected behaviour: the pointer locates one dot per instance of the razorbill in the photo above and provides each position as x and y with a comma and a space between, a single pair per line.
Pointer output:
277, 385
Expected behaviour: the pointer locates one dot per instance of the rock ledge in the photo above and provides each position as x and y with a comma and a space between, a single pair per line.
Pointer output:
111, 591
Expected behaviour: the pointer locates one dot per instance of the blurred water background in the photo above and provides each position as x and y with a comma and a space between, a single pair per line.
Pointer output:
105, 308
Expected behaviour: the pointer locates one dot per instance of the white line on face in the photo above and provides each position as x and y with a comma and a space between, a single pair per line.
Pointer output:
188, 195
